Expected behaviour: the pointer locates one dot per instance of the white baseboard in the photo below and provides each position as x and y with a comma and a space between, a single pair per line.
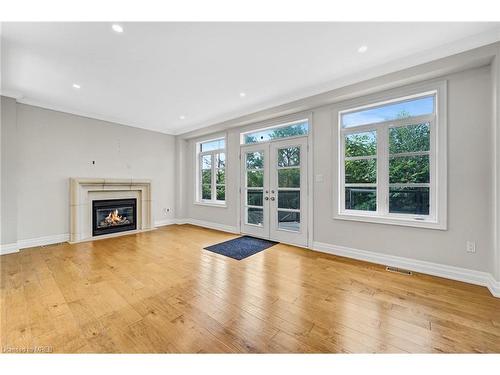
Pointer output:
9, 248
162, 223
435, 269
210, 225
494, 286
42, 241
33, 242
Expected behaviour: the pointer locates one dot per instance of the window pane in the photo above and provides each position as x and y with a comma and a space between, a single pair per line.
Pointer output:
361, 144
212, 145
206, 176
409, 138
221, 193
409, 200
289, 199
220, 176
361, 198
255, 216
206, 162
289, 220
293, 130
409, 169
254, 197
361, 171
220, 161
289, 178
255, 160
255, 178
392, 111
206, 191
289, 157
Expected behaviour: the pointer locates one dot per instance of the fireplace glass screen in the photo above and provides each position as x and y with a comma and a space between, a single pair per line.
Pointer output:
113, 215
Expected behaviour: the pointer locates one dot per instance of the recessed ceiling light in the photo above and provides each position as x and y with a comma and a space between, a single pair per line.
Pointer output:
76, 86
182, 117
242, 94
117, 28
363, 49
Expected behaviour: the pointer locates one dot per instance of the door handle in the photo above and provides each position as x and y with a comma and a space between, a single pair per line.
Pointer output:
266, 198
272, 198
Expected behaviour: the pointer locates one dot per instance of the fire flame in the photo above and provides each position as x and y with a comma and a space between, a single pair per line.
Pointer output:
114, 218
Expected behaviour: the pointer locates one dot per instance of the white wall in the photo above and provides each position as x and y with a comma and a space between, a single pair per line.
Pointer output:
8, 201
470, 193
495, 71
53, 146
180, 178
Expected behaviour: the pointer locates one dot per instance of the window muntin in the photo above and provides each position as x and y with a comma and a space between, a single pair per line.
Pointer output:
293, 129
388, 164
211, 171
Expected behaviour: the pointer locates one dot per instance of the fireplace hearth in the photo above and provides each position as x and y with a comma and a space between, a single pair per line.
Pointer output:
113, 215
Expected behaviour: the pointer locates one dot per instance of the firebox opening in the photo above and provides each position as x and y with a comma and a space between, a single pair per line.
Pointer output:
113, 215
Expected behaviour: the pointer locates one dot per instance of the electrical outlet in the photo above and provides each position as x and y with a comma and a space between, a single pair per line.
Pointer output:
470, 246
166, 211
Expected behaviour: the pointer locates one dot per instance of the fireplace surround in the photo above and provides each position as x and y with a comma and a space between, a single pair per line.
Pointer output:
84, 191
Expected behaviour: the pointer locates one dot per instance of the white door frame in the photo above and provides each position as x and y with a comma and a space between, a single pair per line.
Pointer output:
310, 170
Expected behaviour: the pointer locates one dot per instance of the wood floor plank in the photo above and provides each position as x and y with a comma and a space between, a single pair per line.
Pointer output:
161, 292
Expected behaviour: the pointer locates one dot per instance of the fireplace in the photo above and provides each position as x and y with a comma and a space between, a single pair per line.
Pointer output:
113, 215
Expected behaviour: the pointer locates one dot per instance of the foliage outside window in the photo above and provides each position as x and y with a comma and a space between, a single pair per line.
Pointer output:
294, 129
211, 171
387, 159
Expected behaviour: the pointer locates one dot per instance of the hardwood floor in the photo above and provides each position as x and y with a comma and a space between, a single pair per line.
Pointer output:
160, 292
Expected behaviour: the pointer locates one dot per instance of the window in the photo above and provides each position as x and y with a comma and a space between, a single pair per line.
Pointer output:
211, 169
291, 129
389, 168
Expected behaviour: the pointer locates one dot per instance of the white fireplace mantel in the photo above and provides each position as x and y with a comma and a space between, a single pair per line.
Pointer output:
84, 190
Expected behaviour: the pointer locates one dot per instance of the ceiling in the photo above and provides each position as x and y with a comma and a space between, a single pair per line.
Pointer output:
177, 77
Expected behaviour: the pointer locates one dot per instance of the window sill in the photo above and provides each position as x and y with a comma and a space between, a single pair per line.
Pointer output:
211, 204
401, 221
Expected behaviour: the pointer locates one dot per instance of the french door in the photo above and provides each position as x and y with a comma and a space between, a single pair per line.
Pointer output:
274, 190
